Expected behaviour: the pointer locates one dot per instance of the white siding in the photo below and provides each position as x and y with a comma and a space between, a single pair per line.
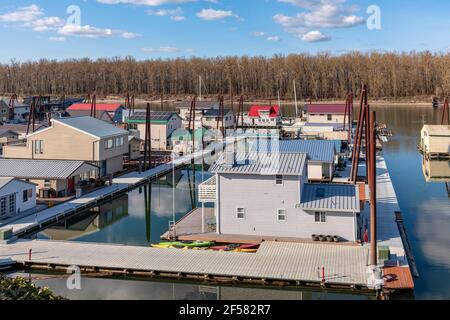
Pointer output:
323, 118
261, 199
17, 187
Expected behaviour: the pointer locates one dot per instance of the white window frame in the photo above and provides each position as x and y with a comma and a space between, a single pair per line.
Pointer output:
276, 180
242, 211
279, 210
321, 215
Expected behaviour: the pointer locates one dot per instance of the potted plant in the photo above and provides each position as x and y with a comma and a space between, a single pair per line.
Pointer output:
329, 238
315, 237
336, 238
322, 238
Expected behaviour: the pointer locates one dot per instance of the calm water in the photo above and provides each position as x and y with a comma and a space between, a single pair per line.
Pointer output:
128, 220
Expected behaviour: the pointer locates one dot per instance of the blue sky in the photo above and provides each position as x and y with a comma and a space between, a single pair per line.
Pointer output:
34, 29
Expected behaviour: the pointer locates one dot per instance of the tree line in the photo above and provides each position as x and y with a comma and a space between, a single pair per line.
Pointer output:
321, 76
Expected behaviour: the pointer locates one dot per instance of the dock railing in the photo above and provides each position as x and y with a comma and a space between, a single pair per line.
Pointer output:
207, 191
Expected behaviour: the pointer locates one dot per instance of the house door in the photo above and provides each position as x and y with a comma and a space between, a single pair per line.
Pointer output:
71, 185
103, 169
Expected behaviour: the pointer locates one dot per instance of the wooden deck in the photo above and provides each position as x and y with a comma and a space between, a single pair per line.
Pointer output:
398, 278
191, 224
292, 263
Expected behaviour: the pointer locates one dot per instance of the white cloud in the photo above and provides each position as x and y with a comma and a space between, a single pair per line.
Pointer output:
174, 14
273, 38
45, 24
85, 31
212, 14
317, 14
57, 39
258, 34
129, 35
162, 50
23, 14
150, 3
315, 36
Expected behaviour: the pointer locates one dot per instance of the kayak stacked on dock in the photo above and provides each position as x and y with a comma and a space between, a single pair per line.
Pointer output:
206, 245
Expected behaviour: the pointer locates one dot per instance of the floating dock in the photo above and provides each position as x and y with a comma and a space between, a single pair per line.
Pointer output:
289, 264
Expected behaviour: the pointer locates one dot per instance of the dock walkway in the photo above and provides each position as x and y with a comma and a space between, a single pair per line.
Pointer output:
296, 262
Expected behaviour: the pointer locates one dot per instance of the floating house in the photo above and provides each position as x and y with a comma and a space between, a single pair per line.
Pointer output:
181, 140
201, 107
325, 113
104, 111
81, 138
57, 178
211, 116
268, 195
435, 141
263, 117
16, 196
163, 124
134, 148
436, 171
7, 137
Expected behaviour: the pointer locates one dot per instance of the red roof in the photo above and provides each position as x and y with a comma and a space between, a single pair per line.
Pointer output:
255, 110
326, 108
110, 107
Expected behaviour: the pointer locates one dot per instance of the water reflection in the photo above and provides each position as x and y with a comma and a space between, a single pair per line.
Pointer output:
137, 218
425, 206
133, 289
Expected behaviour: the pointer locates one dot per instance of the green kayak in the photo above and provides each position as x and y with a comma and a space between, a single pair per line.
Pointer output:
184, 244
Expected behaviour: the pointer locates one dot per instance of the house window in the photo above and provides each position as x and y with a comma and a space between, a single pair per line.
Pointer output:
25, 195
119, 141
109, 144
3, 206
38, 146
282, 216
46, 183
240, 213
320, 217
329, 117
279, 180
12, 203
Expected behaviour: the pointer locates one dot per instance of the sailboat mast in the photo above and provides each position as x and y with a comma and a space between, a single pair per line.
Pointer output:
295, 99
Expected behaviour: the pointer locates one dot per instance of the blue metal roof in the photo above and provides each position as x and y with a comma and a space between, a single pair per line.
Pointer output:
330, 197
317, 150
262, 163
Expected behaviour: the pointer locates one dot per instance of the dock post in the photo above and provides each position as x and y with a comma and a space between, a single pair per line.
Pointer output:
373, 191
203, 217
29, 254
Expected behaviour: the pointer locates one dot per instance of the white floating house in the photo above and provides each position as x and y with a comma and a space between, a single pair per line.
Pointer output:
16, 196
267, 195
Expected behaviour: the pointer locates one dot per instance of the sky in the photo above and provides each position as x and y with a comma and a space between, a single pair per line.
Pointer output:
152, 29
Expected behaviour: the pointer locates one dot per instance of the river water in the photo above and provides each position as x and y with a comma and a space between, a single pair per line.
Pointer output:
128, 220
